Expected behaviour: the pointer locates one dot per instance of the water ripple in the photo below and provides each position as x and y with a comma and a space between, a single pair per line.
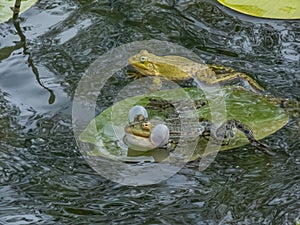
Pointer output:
45, 180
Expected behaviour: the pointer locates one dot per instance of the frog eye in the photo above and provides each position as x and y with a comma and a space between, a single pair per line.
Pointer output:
143, 59
160, 135
137, 112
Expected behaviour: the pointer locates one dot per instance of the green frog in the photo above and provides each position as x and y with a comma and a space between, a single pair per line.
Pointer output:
153, 122
142, 135
179, 68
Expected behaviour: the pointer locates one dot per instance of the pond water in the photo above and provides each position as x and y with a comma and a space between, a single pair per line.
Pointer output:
43, 176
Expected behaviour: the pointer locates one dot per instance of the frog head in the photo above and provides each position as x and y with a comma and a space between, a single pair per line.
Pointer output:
139, 128
141, 135
145, 62
169, 66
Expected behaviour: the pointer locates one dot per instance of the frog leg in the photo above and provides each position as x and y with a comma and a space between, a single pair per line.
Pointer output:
226, 131
228, 74
229, 125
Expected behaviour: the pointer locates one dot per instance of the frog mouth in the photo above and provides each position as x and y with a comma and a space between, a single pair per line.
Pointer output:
138, 143
140, 68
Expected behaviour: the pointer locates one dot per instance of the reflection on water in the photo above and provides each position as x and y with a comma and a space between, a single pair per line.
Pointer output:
30, 61
43, 178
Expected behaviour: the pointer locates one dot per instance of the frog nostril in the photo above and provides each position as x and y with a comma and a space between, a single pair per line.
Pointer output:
147, 126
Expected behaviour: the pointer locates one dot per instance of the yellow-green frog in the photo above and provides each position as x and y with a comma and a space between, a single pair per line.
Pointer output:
178, 68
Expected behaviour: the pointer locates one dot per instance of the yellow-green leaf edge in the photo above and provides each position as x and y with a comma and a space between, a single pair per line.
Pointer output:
274, 9
5, 11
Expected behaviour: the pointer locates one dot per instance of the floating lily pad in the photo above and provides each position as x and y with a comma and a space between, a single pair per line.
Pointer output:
5, 11
283, 9
260, 114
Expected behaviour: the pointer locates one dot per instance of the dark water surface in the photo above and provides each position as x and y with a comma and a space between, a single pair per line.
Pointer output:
45, 180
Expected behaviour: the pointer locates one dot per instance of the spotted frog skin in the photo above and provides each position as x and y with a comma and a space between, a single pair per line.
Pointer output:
178, 68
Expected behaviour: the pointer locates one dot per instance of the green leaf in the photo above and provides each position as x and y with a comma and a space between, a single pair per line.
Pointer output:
282, 9
5, 11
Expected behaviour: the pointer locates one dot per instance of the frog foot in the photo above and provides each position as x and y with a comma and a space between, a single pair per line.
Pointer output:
135, 75
226, 74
